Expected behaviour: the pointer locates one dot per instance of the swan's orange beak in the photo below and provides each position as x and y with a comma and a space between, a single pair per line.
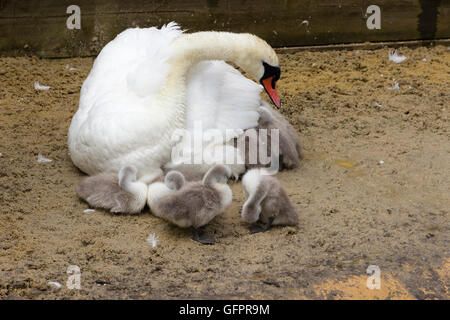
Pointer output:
269, 84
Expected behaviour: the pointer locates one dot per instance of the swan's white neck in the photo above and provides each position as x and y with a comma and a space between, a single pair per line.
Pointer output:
238, 48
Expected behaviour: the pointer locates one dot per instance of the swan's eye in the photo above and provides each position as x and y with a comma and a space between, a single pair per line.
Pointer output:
270, 71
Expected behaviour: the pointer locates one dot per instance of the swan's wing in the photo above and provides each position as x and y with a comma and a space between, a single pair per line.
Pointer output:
148, 75
133, 64
221, 97
221, 103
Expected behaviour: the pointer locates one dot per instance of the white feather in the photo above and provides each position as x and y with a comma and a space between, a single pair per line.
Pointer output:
395, 86
56, 284
152, 239
37, 86
394, 57
42, 159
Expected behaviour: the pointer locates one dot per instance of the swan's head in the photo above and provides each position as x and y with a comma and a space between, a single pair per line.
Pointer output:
261, 62
251, 53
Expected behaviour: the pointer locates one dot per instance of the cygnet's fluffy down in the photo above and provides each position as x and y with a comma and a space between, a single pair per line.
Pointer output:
120, 193
267, 201
289, 142
191, 204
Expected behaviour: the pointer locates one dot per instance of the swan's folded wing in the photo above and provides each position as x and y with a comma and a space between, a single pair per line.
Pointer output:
148, 72
142, 53
221, 97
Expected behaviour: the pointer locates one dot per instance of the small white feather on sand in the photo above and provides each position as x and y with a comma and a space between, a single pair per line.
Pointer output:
37, 86
70, 68
88, 210
394, 87
393, 56
55, 284
42, 159
152, 240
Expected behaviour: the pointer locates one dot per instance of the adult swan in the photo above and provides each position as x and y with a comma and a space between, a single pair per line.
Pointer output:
146, 83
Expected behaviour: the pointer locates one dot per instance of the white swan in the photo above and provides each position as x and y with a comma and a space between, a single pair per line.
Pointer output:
146, 83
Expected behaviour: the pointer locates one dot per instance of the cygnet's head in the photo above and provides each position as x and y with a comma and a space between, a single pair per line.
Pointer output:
174, 180
127, 174
217, 174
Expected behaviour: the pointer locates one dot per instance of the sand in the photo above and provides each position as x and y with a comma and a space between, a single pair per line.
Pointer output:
373, 189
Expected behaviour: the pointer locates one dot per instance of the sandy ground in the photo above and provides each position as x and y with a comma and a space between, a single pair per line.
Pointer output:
354, 211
